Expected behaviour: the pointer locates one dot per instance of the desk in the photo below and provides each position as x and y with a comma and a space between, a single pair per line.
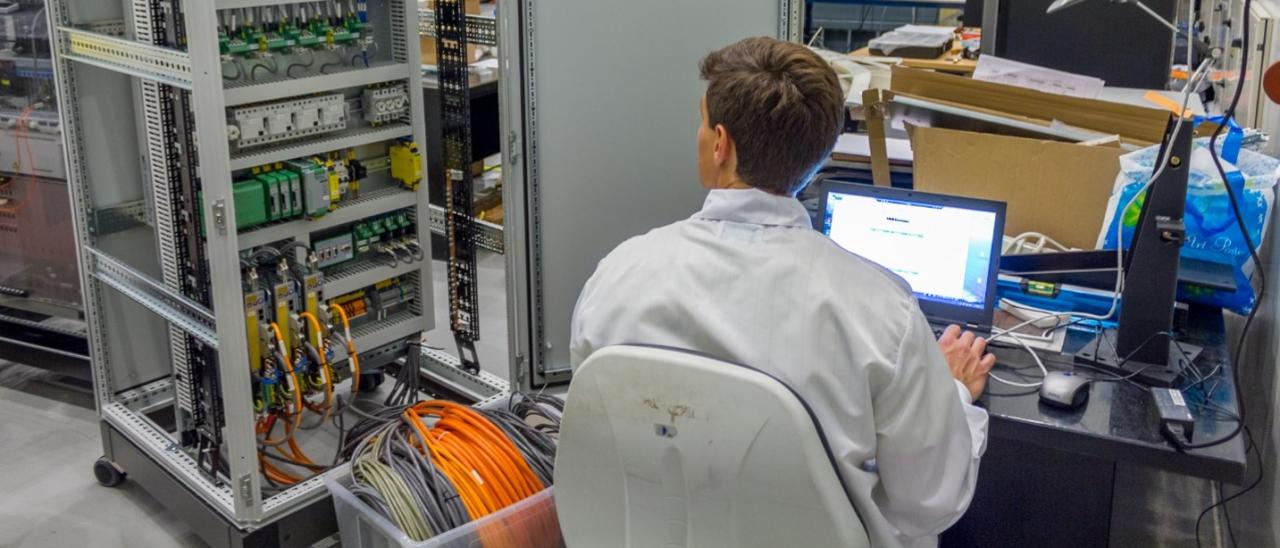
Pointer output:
1048, 475
951, 61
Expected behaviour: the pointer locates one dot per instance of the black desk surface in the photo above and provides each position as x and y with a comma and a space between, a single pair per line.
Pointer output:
1119, 421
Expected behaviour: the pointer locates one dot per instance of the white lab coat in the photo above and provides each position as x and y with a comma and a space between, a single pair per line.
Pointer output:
747, 279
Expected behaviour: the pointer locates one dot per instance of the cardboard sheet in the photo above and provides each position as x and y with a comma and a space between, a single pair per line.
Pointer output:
1059, 189
1144, 125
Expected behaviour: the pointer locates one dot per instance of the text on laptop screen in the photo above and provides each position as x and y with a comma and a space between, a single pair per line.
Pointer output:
943, 252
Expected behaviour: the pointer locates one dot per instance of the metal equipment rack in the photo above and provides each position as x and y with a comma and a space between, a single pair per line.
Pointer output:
40, 300
170, 319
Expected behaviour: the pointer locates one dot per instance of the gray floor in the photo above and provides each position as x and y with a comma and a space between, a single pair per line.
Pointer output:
49, 440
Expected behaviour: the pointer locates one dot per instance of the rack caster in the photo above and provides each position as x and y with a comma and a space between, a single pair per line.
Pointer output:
107, 473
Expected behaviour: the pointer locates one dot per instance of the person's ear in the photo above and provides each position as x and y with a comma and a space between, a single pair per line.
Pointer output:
722, 144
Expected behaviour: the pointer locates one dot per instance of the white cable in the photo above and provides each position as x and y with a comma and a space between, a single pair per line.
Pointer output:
1043, 370
1020, 242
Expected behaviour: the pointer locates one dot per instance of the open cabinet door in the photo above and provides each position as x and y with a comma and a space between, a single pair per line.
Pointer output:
600, 112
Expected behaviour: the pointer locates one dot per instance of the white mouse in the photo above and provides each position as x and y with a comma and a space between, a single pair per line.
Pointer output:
1065, 389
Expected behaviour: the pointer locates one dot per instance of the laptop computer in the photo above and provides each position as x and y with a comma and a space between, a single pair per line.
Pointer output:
946, 247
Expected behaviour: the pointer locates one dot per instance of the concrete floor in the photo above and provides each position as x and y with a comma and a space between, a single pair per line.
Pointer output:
49, 440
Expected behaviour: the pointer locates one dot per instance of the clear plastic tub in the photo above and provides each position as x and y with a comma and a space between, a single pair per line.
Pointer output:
530, 523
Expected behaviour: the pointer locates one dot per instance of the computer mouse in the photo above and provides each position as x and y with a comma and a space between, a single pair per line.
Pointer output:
1065, 389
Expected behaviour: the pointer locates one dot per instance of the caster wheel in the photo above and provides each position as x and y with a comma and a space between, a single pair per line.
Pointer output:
371, 381
108, 474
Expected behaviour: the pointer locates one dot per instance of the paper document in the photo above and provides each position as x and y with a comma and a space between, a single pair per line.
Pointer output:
927, 29
1050, 340
1003, 71
858, 145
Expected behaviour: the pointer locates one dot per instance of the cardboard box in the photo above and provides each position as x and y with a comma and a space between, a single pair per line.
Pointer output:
1134, 124
427, 44
1059, 189
1054, 187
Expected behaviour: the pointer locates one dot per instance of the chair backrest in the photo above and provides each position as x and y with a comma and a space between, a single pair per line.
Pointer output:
661, 447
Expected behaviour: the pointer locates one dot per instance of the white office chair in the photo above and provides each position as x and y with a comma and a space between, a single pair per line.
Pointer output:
666, 448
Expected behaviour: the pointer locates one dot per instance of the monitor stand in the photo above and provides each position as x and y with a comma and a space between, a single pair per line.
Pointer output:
1151, 280
1103, 355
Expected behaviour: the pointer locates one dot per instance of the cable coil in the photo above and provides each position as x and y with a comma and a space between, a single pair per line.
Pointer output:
435, 465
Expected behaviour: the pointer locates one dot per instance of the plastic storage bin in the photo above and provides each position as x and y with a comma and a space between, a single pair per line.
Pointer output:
530, 523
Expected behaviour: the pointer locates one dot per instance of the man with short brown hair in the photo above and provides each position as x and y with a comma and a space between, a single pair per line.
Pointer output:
748, 280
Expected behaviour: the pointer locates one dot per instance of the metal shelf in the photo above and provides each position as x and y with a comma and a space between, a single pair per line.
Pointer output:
245, 93
359, 274
446, 369
338, 141
371, 203
396, 327
154, 296
155, 63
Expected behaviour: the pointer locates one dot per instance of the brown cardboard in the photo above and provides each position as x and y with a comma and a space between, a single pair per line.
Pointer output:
427, 44
1058, 189
1134, 123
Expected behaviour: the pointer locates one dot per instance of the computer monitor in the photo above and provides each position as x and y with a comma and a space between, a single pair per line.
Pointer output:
946, 247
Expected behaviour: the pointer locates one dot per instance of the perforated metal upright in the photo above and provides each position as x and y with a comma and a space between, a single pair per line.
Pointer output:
145, 122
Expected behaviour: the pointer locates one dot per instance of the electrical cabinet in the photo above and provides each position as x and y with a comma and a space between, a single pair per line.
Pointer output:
253, 232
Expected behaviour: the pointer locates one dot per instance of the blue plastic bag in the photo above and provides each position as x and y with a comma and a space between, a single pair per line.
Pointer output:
1212, 232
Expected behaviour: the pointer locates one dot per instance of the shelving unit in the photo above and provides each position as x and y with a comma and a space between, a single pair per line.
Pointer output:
172, 290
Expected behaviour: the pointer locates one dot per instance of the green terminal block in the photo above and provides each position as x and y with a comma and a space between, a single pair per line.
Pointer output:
279, 208
251, 203
272, 190
315, 187
364, 237
295, 190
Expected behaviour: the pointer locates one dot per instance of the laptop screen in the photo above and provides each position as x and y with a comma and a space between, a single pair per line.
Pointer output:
946, 252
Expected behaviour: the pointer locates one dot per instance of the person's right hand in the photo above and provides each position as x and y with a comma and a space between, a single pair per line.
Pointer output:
967, 358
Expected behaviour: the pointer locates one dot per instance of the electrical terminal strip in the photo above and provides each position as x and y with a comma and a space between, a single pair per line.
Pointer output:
297, 32
287, 120
385, 104
308, 188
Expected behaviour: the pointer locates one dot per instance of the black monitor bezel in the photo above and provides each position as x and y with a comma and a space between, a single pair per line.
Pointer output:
981, 317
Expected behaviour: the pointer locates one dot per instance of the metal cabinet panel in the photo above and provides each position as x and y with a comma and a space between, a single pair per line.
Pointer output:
602, 107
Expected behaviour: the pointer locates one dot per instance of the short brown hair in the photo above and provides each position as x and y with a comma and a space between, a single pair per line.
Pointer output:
783, 107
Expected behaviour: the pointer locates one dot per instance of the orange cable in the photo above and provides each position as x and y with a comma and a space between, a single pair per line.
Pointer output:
351, 348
